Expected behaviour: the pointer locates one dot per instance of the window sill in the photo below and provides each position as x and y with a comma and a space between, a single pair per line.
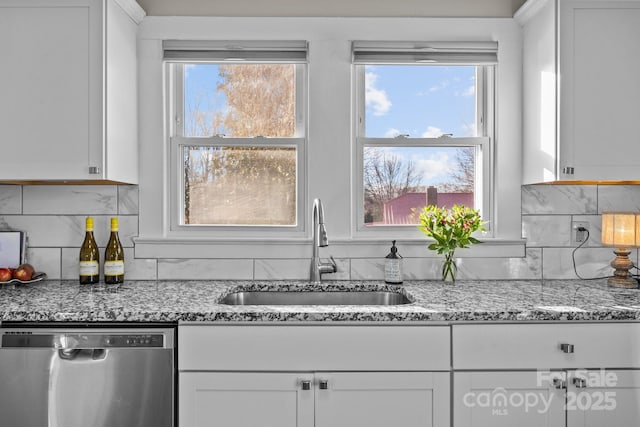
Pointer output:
180, 248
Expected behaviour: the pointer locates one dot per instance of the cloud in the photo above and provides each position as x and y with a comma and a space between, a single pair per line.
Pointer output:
469, 129
432, 132
436, 167
375, 98
470, 91
435, 88
391, 133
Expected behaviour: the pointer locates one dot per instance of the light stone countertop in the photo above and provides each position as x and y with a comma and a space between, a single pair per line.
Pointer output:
173, 301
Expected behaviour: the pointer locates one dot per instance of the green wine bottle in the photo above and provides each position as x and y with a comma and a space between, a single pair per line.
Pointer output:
89, 257
114, 257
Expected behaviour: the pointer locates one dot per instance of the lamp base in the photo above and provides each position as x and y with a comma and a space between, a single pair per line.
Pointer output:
621, 265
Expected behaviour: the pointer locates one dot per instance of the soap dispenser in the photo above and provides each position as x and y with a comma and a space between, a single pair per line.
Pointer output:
393, 266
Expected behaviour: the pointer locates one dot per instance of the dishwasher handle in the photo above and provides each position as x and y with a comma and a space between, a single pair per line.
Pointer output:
80, 354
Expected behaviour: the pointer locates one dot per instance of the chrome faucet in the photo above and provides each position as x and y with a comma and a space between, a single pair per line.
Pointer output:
320, 240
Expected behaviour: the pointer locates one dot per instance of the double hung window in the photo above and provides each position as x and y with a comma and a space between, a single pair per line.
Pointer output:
237, 134
423, 131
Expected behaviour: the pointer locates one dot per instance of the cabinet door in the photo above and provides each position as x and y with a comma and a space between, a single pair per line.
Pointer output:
507, 399
382, 399
599, 95
606, 398
539, 91
44, 81
239, 399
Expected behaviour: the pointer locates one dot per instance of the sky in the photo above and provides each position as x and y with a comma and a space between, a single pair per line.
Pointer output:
421, 102
417, 101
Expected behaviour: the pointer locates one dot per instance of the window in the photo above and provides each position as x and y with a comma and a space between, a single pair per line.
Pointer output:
424, 127
237, 133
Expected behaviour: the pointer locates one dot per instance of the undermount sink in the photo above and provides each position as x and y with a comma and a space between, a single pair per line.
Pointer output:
315, 298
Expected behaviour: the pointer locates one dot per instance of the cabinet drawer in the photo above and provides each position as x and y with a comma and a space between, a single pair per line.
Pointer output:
534, 346
310, 347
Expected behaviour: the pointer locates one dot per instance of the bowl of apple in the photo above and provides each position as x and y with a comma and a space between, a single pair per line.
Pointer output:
24, 273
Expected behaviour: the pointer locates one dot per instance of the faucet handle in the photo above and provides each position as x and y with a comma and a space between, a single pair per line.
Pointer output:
333, 263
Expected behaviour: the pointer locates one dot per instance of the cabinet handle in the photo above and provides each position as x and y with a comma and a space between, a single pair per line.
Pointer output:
324, 384
306, 385
566, 348
579, 382
559, 383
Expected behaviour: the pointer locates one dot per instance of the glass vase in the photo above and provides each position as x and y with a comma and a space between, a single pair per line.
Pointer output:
449, 268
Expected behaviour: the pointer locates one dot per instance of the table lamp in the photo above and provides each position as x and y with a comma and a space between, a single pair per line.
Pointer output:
622, 231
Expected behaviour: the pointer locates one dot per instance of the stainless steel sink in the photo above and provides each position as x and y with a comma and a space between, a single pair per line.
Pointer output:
315, 298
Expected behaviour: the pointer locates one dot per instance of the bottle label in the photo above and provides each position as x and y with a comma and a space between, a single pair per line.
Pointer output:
392, 270
89, 268
113, 268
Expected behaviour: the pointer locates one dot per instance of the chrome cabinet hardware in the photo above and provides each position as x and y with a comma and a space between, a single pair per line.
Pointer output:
324, 384
579, 382
559, 383
306, 385
566, 348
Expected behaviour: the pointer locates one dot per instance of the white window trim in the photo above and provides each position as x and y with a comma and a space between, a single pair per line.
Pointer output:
175, 128
485, 85
329, 173
482, 144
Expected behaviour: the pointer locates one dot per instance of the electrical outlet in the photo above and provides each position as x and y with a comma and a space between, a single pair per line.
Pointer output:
579, 231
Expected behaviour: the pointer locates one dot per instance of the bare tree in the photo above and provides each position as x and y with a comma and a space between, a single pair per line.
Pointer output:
386, 176
463, 175
261, 99
244, 184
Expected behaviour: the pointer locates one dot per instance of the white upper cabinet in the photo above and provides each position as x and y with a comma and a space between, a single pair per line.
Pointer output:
68, 109
581, 97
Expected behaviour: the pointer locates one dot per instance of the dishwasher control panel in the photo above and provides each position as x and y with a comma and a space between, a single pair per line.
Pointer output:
35, 338
148, 340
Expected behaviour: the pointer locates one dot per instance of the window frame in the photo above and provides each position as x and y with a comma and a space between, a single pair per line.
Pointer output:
174, 72
330, 140
484, 146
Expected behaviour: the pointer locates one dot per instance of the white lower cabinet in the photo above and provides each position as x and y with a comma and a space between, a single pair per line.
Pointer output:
546, 375
576, 398
245, 399
331, 399
461, 375
314, 376
608, 398
382, 399
497, 399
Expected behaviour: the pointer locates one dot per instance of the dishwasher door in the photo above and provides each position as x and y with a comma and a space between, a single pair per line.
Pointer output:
86, 378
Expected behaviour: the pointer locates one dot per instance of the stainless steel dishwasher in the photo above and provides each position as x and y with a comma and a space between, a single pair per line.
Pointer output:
86, 377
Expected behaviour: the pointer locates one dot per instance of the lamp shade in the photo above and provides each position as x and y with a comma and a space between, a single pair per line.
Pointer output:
620, 229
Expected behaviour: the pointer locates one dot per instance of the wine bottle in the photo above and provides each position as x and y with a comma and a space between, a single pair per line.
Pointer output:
114, 257
89, 257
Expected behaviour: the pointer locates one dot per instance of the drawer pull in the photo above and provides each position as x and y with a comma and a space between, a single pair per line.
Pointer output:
306, 385
324, 384
559, 383
566, 348
580, 382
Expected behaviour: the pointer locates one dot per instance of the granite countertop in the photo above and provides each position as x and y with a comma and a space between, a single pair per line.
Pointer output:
172, 301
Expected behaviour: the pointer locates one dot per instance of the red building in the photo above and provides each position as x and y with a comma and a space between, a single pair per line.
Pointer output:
404, 209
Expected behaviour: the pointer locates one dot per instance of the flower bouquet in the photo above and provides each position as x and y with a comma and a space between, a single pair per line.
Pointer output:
451, 229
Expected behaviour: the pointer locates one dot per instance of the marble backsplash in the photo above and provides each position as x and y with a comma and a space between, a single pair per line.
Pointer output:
53, 217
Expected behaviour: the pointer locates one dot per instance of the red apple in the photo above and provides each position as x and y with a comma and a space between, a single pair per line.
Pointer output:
24, 272
5, 274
